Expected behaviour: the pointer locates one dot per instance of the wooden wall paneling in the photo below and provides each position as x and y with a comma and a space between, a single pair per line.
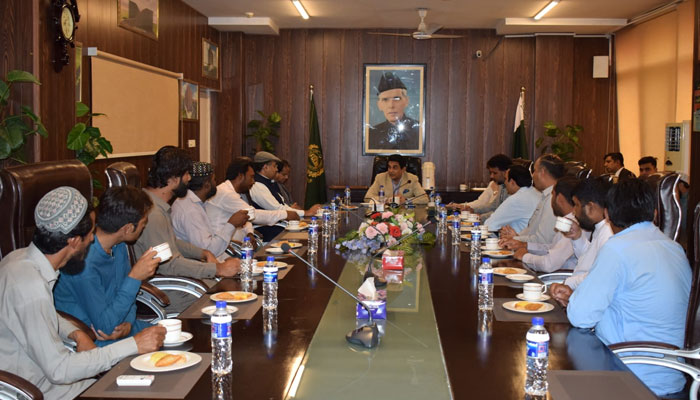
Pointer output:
518, 72
437, 127
228, 106
456, 113
299, 111
350, 109
496, 130
282, 91
332, 99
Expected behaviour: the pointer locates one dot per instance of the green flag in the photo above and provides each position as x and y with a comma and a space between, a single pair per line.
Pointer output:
315, 172
519, 139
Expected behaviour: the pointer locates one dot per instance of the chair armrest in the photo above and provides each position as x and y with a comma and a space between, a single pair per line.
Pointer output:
192, 286
649, 345
154, 299
156, 293
20, 386
78, 324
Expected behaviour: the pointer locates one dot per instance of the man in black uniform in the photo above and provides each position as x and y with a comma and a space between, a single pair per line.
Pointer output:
398, 131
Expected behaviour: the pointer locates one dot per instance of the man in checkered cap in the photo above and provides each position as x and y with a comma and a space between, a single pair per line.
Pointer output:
31, 332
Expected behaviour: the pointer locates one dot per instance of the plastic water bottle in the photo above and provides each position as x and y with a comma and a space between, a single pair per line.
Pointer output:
270, 284
486, 285
437, 199
221, 361
431, 199
246, 259
537, 358
382, 198
335, 204
313, 236
348, 196
326, 222
475, 246
456, 225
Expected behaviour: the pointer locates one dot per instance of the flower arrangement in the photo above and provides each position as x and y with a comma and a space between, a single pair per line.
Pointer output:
384, 229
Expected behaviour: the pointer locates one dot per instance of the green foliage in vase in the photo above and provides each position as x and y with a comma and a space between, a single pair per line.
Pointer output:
262, 130
16, 128
563, 143
87, 141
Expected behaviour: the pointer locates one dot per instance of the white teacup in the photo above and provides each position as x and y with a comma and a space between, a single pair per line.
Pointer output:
533, 291
563, 224
462, 187
464, 214
293, 224
491, 244
473, 218
163, 252
484, 229
173, 329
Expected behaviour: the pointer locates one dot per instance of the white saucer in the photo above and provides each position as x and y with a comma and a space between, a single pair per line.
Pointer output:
184, 336
520, 277
544, 297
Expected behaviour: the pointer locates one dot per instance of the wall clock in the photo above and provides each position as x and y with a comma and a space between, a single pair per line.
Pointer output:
65, 18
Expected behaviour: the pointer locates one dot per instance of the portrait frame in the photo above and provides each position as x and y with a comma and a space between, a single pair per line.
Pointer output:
378, 135
189, 105
145, 22
210, 65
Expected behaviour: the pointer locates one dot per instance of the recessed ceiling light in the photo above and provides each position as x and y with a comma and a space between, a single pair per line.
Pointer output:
546, 9
301, 9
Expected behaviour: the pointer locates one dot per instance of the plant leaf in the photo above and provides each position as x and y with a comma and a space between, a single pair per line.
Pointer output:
538, 142
93, 132
105, 144
254, 124
21, 76
81, 109
86, 158
96, 184
4, 92
14, 130
262, 114
4, 148
75, 139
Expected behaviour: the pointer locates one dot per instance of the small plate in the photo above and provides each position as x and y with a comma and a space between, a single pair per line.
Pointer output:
184, 336
486, 249
368, 205
261, 265
143, 362
519, 306
350, 207
520, 277
293, 245
302, 225
229, 297
498, 253
504, 271
544, 297
209, 310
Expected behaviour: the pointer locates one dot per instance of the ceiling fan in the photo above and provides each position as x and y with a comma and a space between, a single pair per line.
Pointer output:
424, 31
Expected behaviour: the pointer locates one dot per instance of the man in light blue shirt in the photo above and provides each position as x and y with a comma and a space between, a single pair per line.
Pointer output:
517, 209
638, 287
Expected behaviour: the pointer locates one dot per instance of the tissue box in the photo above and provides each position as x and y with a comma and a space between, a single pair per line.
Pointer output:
392, 260
378, 308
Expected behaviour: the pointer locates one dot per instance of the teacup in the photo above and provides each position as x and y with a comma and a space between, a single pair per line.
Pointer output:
251, 213
484, 229
464, 214
491, 244
173, 329
533, 291
293, 224
473, 218
563, 224
163, 252
462, 187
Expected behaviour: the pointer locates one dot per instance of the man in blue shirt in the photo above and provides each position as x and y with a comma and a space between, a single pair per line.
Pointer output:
516, 210
103, 295
638, 287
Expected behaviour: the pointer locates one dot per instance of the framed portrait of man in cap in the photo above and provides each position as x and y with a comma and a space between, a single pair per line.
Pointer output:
393, 113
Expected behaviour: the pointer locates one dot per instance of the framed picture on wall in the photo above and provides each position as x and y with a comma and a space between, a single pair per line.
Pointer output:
189, 101
210, 59
140, 16
393, 112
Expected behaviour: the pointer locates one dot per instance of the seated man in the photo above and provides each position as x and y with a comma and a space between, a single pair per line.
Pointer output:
31, 332
517, 209
396, 183
167, 179
647, 166
638, 287
283, 170
589, 207
103, 295
558, 254
495, 193
614, 164
228, 201
265, 193
540, 229
190, 219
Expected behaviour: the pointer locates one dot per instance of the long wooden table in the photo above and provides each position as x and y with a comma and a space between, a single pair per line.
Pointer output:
484, 359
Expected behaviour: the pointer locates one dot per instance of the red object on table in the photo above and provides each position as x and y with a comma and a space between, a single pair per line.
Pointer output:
392, 260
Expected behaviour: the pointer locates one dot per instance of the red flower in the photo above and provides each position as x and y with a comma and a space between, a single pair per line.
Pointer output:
375, 215
394, 231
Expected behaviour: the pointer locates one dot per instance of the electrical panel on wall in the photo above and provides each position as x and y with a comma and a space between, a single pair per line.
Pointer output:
677, 157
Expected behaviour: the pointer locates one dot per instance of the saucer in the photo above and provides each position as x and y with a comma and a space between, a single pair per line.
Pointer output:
544, 297
520, 277
184, 336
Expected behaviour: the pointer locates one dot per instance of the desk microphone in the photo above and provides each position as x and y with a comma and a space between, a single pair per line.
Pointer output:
420, 195
393, 194
366, 335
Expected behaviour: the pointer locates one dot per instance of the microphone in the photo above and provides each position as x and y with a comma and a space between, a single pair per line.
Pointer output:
420, 195
393, 194
366, 335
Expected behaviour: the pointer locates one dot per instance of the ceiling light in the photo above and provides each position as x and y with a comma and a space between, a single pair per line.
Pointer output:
546, 9
301, 9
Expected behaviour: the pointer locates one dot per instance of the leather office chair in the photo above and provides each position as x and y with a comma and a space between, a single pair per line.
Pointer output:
578, 170
668, 206
151, 293
15, 387
528, 164
667, 355
413, 165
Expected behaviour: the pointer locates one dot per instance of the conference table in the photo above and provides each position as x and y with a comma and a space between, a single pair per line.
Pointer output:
436, 343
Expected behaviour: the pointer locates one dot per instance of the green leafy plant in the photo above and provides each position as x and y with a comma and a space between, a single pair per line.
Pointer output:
563, 143
87, 140
15, 129
263, 130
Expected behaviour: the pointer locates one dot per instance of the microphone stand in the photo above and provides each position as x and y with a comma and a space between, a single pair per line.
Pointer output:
393, 203
366, 335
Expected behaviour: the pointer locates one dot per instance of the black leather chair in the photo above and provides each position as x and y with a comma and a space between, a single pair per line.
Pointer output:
15, 387
668, 206
580, 171
528, 164
413, 165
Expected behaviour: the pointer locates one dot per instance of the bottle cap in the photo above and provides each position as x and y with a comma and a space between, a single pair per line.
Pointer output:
220, 304
270, 259
475, 224
455, 213
313, 218
539, 321
246, 239
485, 260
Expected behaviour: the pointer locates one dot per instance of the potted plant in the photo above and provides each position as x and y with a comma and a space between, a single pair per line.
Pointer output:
87, 141
15, 129
263, 130
563, 143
